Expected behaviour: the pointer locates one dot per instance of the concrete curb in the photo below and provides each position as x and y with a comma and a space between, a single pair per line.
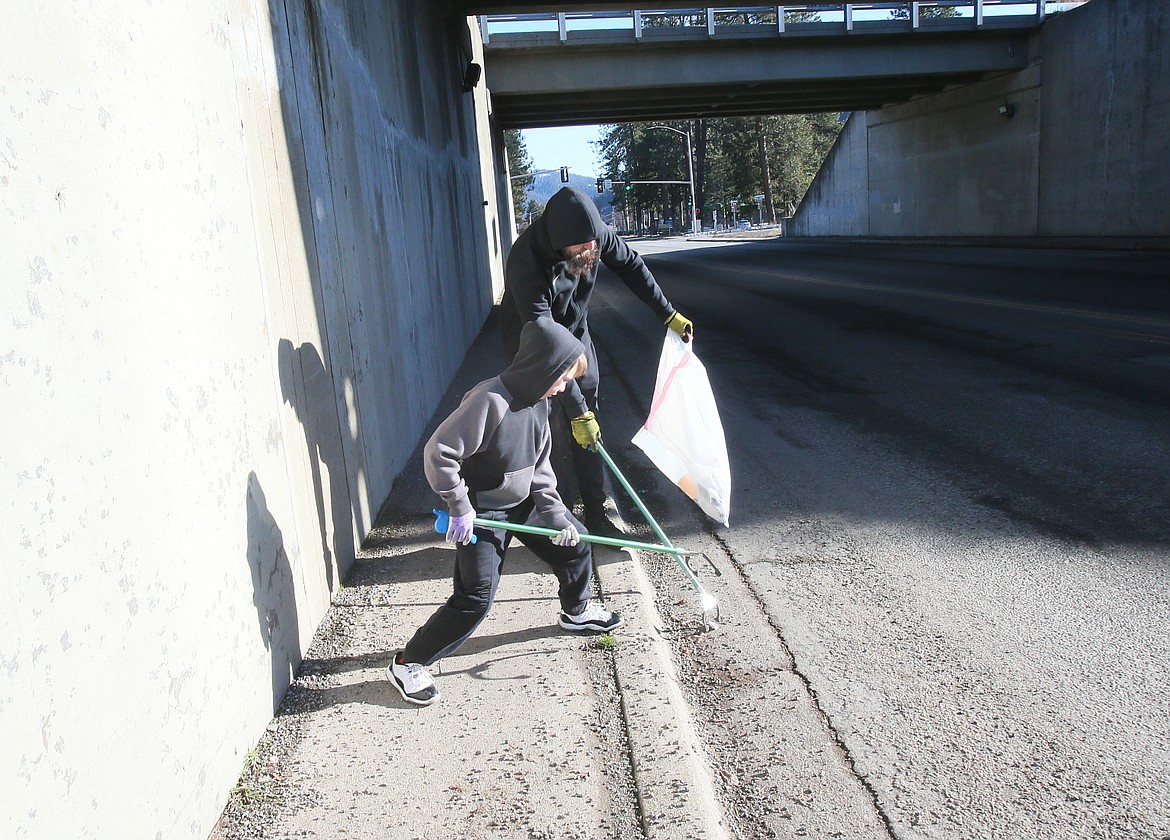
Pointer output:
675, 789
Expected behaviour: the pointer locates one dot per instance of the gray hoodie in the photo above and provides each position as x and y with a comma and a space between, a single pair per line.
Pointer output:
492, 452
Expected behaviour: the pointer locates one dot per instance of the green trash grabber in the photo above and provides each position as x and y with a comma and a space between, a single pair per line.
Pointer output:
443, 518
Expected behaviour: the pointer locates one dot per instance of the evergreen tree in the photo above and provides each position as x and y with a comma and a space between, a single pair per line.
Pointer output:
736, 159
519, 163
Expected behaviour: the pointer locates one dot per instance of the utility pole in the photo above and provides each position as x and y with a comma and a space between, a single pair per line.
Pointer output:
690, 173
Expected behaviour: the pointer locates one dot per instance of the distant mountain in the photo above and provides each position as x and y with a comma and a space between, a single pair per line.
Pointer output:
544, 186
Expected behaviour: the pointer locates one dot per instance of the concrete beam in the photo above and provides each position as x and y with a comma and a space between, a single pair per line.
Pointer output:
606, 82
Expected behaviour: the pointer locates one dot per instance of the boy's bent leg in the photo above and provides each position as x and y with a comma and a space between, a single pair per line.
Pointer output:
476, 578
572, 564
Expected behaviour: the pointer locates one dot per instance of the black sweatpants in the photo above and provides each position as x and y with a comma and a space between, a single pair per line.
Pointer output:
477, 577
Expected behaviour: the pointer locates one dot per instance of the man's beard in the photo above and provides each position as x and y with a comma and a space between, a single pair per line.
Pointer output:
582, 263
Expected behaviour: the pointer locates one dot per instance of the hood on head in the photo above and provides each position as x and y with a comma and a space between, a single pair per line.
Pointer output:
571, 218
546, 351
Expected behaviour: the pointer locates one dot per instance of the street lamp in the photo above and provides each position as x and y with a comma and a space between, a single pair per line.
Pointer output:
690, 174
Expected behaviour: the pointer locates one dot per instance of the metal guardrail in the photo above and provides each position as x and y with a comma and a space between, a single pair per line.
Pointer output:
790, 18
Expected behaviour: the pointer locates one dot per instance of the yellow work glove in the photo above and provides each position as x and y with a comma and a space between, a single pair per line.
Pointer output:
586, 431
681, 325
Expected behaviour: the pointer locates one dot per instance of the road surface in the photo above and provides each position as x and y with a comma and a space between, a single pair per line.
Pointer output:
946, 585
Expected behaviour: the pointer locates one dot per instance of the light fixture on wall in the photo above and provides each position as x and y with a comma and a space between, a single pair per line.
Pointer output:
471, 76
1007, 110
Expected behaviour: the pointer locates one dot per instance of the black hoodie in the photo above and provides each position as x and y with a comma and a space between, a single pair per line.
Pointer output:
537, 283
492, 452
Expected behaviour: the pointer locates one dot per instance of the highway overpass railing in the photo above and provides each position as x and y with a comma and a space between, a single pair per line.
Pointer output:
788, 19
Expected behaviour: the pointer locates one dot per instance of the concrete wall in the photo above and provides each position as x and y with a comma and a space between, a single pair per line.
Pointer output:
1082, 154
836, 203
243, 249
953, 166
1104, 170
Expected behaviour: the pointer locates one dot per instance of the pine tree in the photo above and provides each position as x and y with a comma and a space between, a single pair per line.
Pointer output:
519, 163
736, 159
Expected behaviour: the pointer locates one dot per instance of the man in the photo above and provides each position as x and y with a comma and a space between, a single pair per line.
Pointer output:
551, 272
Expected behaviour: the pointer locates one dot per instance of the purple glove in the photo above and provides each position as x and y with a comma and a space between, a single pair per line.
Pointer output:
460, 528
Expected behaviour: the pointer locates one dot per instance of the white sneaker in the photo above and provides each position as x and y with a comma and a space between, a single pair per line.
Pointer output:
412, 681
593, 617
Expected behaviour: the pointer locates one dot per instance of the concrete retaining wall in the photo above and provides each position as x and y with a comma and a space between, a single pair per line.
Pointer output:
1080, 155
836, 202
1104, 170
244, 249
954, 166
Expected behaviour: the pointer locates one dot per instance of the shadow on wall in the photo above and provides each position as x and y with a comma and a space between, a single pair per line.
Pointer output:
272, 591
307, 372
308, 388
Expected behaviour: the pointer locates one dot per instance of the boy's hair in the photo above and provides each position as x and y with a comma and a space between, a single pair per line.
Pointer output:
580, 367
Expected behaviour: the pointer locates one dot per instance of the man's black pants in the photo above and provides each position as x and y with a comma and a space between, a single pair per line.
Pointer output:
588, 468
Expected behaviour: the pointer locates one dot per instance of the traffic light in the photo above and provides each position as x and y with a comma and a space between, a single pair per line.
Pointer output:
564, 174
628, 186
600, 185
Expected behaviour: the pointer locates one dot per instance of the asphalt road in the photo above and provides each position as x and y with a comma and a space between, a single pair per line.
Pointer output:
946, 584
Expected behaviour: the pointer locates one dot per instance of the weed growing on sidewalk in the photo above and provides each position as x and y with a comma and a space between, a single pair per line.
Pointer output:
247, 791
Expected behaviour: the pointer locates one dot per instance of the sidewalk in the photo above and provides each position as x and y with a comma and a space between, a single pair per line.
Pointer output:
539, 733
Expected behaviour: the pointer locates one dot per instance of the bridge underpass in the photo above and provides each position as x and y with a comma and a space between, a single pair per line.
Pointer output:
1003, 121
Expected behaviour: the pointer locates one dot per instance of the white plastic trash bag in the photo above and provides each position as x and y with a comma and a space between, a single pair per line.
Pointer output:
683, 435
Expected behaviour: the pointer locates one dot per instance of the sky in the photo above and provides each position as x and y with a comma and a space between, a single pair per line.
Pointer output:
552, 148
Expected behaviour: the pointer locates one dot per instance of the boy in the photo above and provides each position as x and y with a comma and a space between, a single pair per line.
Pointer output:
491, 455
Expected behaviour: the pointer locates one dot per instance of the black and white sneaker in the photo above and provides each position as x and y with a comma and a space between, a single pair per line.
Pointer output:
594, 617
412, 681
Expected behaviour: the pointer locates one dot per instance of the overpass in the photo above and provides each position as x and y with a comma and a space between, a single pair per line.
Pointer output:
637, 64
1003, 118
